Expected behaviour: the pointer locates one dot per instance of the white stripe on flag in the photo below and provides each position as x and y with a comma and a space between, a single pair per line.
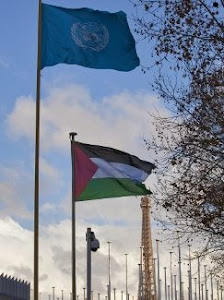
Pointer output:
118, 170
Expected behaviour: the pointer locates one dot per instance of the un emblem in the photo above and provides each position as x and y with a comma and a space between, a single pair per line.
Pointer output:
90, 35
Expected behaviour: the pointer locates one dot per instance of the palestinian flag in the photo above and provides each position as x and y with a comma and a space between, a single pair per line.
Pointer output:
102, 172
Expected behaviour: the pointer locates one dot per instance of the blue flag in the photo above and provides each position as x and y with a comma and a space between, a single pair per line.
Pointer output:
87, 37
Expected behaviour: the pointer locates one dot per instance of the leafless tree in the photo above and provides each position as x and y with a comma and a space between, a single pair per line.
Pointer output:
187, 44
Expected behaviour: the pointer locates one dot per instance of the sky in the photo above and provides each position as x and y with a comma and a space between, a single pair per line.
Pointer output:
104, 107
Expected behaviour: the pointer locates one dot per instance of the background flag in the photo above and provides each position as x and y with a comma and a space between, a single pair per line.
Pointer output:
87, 37
102, 172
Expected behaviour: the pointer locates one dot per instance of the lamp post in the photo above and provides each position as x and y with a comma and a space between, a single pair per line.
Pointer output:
92, 245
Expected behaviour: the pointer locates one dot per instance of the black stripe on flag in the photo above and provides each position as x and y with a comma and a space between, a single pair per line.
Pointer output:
114, 155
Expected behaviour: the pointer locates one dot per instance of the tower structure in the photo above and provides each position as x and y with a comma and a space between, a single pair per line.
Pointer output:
147, 289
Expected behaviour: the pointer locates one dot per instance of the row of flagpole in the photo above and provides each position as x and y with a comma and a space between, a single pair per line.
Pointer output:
197, 291
199, 287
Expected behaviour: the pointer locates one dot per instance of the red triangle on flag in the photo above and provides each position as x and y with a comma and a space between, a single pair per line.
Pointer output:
84, 170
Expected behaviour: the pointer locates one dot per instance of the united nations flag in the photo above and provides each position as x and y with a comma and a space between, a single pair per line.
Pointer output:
87, 37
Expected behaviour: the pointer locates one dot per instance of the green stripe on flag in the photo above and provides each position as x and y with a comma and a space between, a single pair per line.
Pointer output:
112, 187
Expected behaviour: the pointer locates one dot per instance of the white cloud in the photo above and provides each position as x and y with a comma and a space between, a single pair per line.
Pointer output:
119, 121
16, 187
13, 196
48, 170
21, 120
55, 256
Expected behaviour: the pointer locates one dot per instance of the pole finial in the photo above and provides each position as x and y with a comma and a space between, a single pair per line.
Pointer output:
72, 135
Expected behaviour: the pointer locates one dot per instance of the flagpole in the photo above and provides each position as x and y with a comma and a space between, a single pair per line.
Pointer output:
72, 139
37, 150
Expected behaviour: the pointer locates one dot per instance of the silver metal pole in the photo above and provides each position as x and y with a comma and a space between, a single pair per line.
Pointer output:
165, 285
140, 283
158, 270
53, 292
98, 296
190, 275
114, 293
199, 279
195, 288
206, 289
72, 139
108, 290
84, 293
109, 271
122, 293
217, 285
168, 287
88, 238
180, 271
212, 292
37, 156
202, 291
160, 284
182, 287
154, 264
126, 269
171, 275
91, 295
175, 286
62, 295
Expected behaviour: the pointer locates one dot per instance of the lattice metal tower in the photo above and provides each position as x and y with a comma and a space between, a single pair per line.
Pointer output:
147, 290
